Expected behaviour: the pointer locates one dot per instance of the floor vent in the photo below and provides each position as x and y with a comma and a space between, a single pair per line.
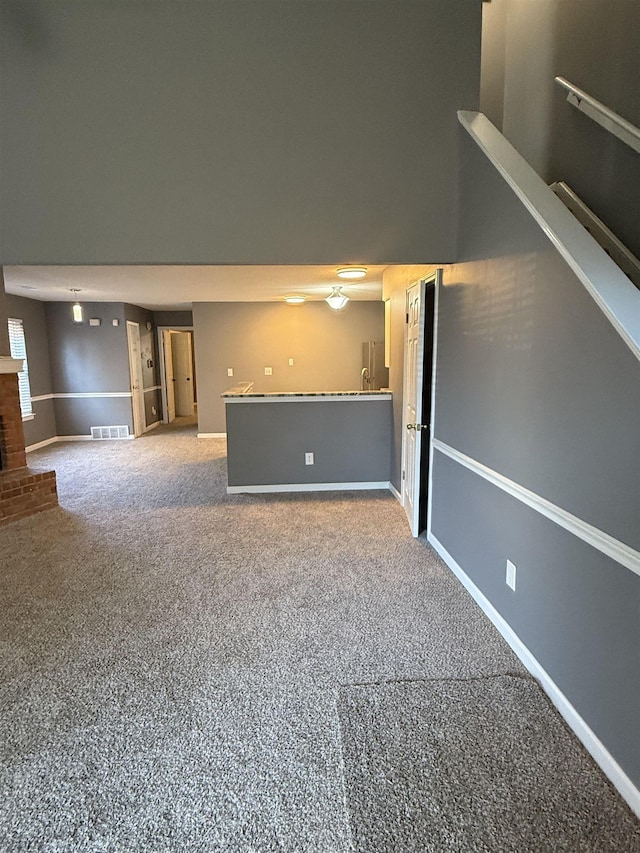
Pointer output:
100, 433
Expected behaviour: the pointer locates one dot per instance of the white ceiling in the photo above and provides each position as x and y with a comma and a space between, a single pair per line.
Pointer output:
177, 287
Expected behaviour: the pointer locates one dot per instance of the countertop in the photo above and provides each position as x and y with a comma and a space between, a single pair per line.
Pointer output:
234, 395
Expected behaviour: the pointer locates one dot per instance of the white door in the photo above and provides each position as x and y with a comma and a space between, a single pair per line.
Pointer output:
135, 374
412, 432
183, 372
168, 375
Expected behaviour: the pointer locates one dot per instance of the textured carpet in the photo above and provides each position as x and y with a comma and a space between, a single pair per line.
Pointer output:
472, 765
171, 655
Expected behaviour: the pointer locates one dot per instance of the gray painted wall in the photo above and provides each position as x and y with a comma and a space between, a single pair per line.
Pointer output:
267, 442
262, 132
595, 46
173, 318
89, 359
533, 382
4, 334
32, 314
248, 336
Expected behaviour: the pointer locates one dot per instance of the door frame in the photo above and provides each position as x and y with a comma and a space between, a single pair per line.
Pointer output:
436, 279
163, 370
135, 378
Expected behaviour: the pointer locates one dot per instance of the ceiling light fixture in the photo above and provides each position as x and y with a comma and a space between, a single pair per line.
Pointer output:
337, 299
294, 300
77, 308
351, 272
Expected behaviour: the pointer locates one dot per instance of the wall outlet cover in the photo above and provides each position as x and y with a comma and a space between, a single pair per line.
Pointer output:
308, 459
290, 362
268, 371
229, 371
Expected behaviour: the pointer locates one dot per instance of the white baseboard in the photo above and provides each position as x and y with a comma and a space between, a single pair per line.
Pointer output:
306, 487
395, 493
153, 426
212, 435
40, 444
591, 742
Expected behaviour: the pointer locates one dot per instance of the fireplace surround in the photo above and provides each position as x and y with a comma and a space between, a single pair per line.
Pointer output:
23, 490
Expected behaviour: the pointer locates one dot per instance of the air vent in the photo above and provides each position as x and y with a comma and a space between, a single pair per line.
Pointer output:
102, 433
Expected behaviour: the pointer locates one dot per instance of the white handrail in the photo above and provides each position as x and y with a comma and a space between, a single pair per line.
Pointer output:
620, 127
615, 294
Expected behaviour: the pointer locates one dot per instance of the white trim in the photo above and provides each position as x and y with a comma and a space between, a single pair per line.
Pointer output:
602, 115
153, 425
89, 395
306, 398
307, 487
30, 417
603, 542
74, 438
614, 293
40, 397
395, 493
589, 739
211, 435
40, 444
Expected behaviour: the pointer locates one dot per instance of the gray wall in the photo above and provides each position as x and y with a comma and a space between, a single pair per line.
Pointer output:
595, 46
248, 336
350, 440
4, 334
89, 359
533, 382
264, 131
173, 318
32, 314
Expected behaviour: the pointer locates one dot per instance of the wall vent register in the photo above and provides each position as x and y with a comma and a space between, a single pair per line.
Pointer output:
102, 433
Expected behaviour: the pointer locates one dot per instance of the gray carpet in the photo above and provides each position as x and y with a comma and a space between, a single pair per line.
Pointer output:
481, 764
171, 655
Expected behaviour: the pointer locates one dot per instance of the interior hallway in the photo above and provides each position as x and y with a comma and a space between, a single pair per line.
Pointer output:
174, 658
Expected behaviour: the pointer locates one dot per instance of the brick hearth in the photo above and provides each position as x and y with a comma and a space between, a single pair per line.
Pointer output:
23, 491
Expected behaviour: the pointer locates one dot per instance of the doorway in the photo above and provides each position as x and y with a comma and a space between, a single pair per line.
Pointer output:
135, 375
419, 366
177, 372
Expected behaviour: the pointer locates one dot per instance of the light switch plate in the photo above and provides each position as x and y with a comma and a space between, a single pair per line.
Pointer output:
308, 459
511, 575
268, 371
290, 362
229, 371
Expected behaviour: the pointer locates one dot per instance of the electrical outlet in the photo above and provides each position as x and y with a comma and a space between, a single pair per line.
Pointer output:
511, 575
290, 362
268, 371
308, 459
229, 371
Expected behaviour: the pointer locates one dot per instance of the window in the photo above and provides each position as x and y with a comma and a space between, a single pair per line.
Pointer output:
19, 350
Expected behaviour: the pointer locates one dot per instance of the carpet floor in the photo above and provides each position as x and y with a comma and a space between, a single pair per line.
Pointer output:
172, 656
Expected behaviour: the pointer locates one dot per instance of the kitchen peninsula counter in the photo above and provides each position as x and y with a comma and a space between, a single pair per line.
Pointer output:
270, 436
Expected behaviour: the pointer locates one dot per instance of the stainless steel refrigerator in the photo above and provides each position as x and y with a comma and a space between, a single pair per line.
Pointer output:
374, 375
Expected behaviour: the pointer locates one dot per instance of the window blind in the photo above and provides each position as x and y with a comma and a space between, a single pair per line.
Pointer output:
19, 350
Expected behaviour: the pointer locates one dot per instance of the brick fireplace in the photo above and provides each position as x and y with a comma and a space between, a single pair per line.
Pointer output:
23, 490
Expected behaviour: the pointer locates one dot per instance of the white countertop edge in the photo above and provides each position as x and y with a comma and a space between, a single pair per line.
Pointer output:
310, 398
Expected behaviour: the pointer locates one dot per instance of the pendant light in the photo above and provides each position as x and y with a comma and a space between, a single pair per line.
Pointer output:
337, 299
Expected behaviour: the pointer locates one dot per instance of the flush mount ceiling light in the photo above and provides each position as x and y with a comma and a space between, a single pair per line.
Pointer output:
77, 308
337, 299
294, 300
351, 272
